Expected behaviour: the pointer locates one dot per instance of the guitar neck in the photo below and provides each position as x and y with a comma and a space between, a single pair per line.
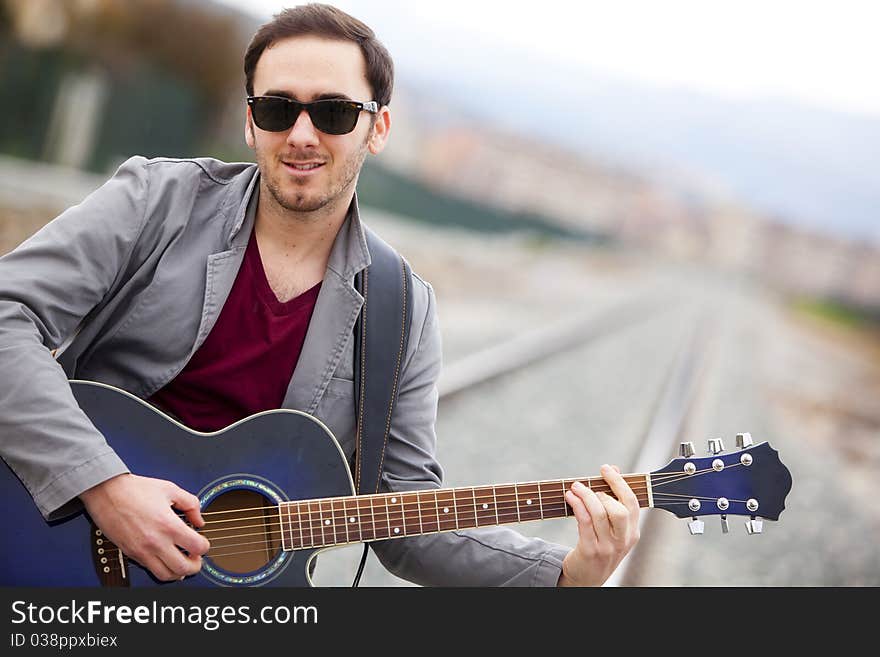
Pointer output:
341, 520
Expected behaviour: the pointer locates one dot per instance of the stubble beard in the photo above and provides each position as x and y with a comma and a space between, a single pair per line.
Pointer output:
298, 200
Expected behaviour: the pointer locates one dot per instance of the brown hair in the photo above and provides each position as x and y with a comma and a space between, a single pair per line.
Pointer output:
332, 23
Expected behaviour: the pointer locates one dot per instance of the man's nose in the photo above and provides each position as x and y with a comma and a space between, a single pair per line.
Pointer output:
303, 131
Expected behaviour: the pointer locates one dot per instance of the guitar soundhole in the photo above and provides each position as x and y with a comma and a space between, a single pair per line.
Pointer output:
244, 530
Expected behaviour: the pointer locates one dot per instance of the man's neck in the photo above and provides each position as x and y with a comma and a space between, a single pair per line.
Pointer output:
295, 247
298, 237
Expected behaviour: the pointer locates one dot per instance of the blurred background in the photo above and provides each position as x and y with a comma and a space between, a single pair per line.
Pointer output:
646, 223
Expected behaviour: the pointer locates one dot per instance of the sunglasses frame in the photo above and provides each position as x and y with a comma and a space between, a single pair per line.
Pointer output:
369, 106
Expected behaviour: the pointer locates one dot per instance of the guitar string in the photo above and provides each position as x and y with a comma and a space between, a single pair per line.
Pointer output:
276, 547
320, 511
318, 534
268, 547
325, 502
409, 507
418, 504
314, 535
427, 492
656, 481
669, 478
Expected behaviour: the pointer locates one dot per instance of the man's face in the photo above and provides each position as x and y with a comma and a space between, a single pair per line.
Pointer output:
306, 69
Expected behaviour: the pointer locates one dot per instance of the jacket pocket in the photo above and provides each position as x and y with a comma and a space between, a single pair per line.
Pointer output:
337, 410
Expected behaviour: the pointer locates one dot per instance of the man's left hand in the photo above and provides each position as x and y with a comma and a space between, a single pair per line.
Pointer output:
608, 529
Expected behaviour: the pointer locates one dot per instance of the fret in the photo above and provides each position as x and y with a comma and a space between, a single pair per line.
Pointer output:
549, 504
505, 504
340, 519
379, 511
437, 510
445, 499
495, 504
540, 500
413, 523
529, 507
474, 500
564, 503
395, 515
428, 511
464, 503
454, 508
299, 518
402, 516
516, 497
350, 527
314, 524
383, 522
327, 526
373, 517
485, 507
284, 542
364, 510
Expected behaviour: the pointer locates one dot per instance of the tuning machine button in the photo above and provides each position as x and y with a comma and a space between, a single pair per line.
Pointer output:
754, 525
744, 440
696, 526
686, 450
716, 445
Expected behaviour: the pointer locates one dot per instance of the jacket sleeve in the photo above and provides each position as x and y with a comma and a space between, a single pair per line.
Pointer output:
488, 556
48, 286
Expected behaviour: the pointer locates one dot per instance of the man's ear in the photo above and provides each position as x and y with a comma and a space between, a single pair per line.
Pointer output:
381, 129
249, 137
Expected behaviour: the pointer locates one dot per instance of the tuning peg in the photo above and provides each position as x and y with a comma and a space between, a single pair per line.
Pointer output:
695, 526
744, 440
686, 450
754, 525
716, 445
725, 526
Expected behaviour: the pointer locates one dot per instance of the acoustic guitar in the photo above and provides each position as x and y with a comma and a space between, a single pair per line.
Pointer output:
275, 490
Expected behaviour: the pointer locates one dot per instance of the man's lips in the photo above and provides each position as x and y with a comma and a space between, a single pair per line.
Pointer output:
302, 168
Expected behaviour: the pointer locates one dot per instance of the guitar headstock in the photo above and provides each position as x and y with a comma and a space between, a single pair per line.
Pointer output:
751, 481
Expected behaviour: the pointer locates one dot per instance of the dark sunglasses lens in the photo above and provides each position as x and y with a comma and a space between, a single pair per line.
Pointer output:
335, 117
272, 114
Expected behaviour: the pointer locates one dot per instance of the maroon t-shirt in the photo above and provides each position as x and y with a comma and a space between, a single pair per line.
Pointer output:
246, 362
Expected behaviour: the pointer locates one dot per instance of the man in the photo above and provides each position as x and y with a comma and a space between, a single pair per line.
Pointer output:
220, 290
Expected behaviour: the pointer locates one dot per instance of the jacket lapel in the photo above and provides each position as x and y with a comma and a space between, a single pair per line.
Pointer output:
223, 267
332, 323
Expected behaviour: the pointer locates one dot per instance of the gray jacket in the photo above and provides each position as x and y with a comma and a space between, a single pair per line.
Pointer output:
128, 284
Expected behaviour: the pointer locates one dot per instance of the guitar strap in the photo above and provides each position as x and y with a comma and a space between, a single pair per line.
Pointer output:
381, 338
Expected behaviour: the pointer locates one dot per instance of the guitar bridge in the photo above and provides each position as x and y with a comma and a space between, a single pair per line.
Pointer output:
111, 565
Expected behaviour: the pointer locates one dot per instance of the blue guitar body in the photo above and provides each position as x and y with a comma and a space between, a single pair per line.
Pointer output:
270, 457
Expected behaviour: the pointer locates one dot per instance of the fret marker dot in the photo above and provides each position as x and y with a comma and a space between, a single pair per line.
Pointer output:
528, 501
397, 530
351, 519
485, 506
445, 509
326, 522
393, 500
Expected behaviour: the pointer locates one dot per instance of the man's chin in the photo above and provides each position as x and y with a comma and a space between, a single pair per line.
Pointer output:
298, 202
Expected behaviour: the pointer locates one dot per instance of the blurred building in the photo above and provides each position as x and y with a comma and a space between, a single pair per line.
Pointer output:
86, 83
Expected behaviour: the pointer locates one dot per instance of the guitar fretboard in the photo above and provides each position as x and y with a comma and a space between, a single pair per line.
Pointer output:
340, 520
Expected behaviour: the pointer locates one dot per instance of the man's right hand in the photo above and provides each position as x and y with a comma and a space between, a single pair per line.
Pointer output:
136, 514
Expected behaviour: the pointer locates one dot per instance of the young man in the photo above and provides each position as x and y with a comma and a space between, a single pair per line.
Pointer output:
218, 290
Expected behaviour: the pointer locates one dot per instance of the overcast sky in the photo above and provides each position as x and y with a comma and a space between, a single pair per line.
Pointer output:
823, 53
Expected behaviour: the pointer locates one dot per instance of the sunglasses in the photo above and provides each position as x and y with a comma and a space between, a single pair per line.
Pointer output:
333, 116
